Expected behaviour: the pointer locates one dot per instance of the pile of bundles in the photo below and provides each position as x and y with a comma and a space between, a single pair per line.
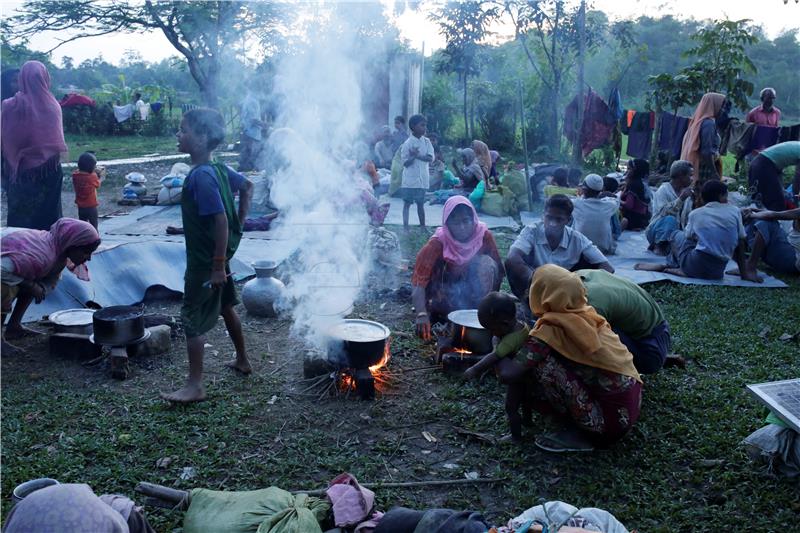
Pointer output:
347, 506
172, 184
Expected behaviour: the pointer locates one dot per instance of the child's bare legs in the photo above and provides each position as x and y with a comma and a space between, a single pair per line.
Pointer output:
406, 207
234, 327
193, 391
515, 396
421, 213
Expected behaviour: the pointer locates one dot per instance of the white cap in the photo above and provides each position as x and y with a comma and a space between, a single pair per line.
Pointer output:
594, 182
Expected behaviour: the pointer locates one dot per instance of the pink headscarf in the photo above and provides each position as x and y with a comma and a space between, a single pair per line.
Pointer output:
457, 252
36, 253
31, 131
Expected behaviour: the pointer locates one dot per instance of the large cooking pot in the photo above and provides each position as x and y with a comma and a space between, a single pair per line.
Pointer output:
468, 334
78, 321
357, 343
118, 325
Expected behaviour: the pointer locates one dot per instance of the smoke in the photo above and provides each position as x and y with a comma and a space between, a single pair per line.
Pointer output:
318, 123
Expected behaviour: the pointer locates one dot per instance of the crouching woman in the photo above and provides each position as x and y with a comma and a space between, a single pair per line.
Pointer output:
584, 376
457, 267
32, 261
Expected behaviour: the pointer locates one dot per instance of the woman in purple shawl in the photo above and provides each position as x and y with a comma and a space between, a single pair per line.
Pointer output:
32, 143
31, 263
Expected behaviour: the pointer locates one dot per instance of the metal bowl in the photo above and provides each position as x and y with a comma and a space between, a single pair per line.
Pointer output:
73, 321
24, 489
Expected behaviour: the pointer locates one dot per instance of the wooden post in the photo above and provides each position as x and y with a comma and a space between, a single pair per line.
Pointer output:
577, 151
524, 144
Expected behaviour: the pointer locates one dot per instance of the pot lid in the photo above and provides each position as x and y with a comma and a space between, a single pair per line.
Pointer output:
136, 177
72, 317
465, 317
356, 330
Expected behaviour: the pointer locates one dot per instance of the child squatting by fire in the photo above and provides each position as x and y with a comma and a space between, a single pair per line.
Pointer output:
213, 231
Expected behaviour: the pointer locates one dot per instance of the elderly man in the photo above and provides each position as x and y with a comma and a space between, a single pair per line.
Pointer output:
667, 206
766, 114
383, 149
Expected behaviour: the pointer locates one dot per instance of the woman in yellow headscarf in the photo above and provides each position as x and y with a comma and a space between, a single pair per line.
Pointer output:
701, 141
583, 373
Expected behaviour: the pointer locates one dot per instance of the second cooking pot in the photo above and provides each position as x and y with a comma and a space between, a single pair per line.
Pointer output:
468, 334
118, 325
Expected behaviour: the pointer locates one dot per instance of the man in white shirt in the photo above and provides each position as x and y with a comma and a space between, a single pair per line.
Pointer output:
592, 214
415, 153
667, 205
550, 242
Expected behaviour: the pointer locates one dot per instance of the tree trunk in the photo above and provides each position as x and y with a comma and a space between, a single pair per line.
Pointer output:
466, 118
577, 149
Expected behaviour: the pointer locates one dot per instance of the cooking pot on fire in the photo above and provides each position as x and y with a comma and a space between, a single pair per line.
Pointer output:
355, 343
118, 325
467, 332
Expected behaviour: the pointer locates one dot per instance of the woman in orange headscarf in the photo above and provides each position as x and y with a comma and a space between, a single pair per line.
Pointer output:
583, 373
702, 139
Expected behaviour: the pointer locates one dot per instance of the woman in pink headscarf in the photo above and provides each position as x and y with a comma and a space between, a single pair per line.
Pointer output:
457, 267
31, 263
32, 143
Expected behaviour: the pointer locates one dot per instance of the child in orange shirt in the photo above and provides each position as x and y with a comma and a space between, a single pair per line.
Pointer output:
86, 182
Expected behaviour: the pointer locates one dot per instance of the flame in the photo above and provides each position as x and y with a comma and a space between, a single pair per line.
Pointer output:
346, 382
384, 360
462, 351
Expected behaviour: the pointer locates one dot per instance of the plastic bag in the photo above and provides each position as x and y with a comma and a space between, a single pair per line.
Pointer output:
270, 510
515, 180
476, 196
499, 202
777, 447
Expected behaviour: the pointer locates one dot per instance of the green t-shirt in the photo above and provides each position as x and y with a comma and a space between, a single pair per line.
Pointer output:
624, 304
513, 342
783, 154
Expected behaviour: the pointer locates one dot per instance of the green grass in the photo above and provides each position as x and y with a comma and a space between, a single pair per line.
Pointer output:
681, 468
119, 147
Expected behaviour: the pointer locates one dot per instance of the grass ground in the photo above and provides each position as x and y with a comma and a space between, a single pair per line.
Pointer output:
681, 469
119, 147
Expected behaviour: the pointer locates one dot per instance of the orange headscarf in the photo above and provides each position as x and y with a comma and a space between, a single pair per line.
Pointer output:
569, 325
709, 107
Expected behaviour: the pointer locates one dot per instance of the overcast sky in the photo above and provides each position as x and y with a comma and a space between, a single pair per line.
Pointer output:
774, 16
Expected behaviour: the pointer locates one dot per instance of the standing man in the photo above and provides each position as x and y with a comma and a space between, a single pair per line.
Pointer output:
766, 114
400, 133
251, 133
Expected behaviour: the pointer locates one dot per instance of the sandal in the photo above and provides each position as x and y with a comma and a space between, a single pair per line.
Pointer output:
563, 441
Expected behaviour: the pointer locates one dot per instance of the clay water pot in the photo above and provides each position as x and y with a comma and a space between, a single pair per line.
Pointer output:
260, 295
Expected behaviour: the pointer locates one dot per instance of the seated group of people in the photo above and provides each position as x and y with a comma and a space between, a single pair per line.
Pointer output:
699, 236
594, 332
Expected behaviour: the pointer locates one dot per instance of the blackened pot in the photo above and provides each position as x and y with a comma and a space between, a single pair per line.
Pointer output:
468, 334
118, 325
357, 343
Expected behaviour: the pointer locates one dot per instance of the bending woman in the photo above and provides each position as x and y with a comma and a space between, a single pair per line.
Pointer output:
583, 374
32, 143
456, 268
32, 261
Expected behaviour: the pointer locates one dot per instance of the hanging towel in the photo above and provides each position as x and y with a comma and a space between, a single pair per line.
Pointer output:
736, 138
640, 135
123, 112
763, 137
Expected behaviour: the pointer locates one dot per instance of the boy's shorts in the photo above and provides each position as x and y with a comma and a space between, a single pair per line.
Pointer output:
202, 306
412, 195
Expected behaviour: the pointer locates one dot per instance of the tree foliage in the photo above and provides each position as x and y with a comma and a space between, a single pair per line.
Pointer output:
720, 66
206, 34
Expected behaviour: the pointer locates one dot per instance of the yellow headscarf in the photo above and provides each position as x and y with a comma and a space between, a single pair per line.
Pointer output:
709, 106
569, 325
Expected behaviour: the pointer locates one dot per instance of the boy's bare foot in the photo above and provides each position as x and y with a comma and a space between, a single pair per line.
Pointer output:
18, 332
661, 249
650, 267
675, 272
241, 367
188, 394
9, 350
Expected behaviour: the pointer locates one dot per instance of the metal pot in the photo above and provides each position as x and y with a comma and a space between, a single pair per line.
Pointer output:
118, 325
467, 332
357, 343
24, 489
77, 321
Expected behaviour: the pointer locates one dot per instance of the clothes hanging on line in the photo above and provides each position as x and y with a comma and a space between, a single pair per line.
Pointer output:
640, 133
671, 132
763, 137
789, 133
123, 112
736, 138
595, 129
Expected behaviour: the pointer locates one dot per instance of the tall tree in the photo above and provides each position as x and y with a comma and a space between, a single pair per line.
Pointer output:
464, 25
204, 32
549, 33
